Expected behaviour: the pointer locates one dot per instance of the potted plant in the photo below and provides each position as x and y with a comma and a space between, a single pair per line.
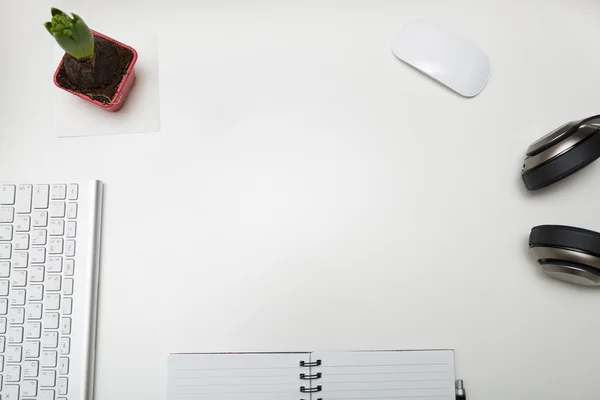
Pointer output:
95, 67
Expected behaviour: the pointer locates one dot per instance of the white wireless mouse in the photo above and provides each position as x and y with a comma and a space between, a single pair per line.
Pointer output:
444, 56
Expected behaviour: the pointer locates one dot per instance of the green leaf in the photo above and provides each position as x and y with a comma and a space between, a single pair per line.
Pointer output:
70, 46
48, 26
84, 37
55, 11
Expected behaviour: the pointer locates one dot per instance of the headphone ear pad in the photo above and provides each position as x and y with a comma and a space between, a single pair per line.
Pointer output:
567, 253
567, 237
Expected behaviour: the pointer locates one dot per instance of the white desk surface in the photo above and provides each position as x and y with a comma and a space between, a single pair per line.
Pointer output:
310, 191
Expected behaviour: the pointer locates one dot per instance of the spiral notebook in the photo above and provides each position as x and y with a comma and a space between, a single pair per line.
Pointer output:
351, 375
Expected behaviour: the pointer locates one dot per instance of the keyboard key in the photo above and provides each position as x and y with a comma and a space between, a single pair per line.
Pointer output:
50, 340
2, 347
35, 293
46, 394
7, 214
6, 233
70, 248
20, 260
4, 269
72, 210
69, 267
29, 388
48, 378
59, 192
63, 366
54, 264
53, 301
15, 334
55, 246
14, 354
17, 297
23, 200
67, 306
53, 282
68, 289
3, 325
21, 242
11, 392
71, 229
40, 219
31, 369
32, 350
4, 285
65, 326
57, 209
48, 359
40, 196
64, 346
51, 320
33, 311
18, 278
5, 251
3, 306
22, 223
33, 330
12, 373
38, 255
63, 385
56, 227
73, 191
7, 194
36, 273
16, 315
38, 237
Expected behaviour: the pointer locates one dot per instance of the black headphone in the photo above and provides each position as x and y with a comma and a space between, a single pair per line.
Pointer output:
565, 253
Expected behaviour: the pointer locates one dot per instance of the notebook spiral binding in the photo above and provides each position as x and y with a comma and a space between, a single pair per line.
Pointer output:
311, 377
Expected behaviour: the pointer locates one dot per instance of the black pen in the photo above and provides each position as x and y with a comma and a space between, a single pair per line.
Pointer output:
460, 390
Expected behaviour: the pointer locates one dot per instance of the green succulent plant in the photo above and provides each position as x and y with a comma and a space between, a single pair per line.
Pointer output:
71, 33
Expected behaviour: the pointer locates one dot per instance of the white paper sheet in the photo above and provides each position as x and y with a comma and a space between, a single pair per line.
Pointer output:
270, 376
406, 375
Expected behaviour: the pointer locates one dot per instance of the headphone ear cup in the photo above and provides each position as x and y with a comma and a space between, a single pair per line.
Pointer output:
562, 159
567, 253
572, 273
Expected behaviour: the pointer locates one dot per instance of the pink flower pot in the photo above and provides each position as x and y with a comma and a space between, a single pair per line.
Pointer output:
124, 87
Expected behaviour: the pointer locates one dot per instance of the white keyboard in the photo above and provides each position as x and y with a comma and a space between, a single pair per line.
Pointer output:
49, 256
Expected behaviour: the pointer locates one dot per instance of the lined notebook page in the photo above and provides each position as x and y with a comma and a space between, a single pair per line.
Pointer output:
235, 376
406, 375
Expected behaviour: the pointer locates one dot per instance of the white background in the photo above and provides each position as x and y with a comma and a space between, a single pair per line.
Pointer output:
310, 191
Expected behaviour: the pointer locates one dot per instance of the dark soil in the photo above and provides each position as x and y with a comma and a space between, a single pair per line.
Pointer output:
99, 77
